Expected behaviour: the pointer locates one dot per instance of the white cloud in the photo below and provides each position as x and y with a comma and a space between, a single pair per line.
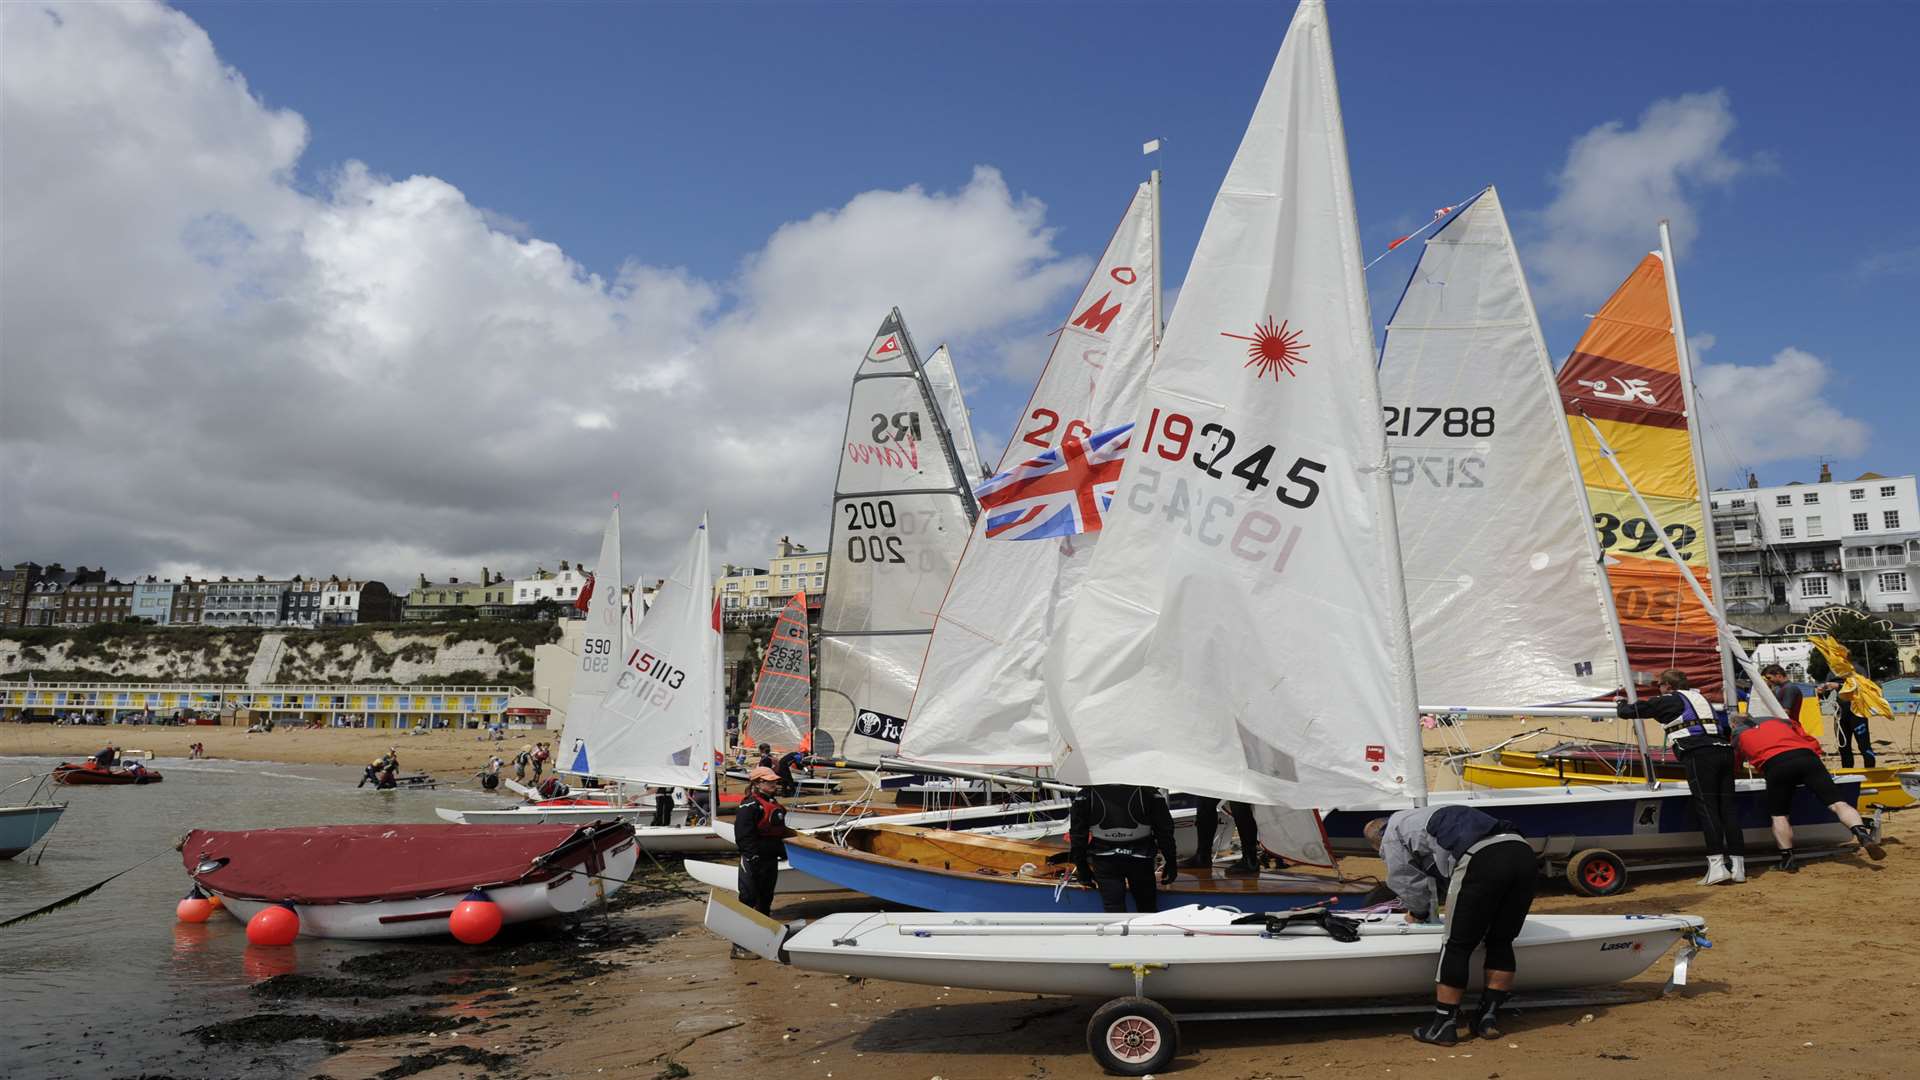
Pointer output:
1617, 182
1774, 411
205, 366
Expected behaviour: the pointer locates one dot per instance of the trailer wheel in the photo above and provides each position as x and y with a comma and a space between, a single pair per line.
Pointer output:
1596, 872
1132, 1036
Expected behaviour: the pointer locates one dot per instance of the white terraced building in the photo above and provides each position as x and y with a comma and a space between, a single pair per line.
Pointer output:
1797, 548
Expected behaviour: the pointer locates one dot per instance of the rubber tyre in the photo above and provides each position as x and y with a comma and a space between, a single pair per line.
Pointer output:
1596, 872
1132, 1036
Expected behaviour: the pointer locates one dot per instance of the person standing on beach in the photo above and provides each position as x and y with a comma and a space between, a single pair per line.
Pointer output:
760, 832
1206, 821
1790, 758
520, 762
1853, 727
1489, 871
540, 756
1113, 833
1703, 742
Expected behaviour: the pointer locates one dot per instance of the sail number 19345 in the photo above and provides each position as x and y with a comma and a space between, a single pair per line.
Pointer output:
1215, 520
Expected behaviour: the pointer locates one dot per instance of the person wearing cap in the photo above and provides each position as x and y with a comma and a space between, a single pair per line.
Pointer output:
1489, 872
760, 832
1789, 758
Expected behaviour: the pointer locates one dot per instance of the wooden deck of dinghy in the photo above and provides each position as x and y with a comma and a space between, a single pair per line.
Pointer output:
1025, 862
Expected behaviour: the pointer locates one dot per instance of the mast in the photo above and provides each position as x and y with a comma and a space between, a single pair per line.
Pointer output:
1694, 420
1153, 188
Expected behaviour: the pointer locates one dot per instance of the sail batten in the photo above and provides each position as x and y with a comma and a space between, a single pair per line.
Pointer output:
1505, 594
982, 698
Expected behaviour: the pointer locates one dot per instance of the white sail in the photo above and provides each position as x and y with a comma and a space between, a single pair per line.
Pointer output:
1504, 588
602, 645
945, 382
663, 714
901, 515
1243, 630
983, 698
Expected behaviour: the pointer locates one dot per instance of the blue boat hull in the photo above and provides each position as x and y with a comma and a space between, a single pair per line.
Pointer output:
1628, 821
928, 889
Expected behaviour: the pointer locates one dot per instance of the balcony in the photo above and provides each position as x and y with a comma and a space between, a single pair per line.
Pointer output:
1882, 556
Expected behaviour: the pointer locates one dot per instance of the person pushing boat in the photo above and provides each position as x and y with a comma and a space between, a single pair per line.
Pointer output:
1703, 742
1489, 871
1789, 758
1113, 833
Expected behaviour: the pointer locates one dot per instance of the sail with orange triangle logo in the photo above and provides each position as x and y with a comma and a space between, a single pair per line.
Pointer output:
1625, 375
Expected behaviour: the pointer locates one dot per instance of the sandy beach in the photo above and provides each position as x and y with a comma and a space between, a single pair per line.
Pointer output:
448, 754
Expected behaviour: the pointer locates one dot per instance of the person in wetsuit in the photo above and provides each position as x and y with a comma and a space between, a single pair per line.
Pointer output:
1488, 872
789, 761
760, 832
1703, 742
107, 757
1206, 821
1113, 833
1852, 726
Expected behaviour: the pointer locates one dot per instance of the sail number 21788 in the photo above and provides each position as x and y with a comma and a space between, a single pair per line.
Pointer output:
1251, 534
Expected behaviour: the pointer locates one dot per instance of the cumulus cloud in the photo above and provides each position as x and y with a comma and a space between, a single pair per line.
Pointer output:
1774, 411
1619, 180
205, 366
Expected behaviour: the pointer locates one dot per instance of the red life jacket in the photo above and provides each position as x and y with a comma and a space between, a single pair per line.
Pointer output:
1770, 738
773, 818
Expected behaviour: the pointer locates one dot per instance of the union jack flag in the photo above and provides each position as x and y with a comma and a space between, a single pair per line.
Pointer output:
1059, 493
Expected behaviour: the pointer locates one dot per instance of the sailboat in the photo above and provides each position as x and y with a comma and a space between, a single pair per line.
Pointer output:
1503, 484
944, 380
1258, 483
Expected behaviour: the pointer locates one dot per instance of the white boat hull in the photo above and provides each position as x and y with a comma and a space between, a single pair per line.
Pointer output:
426, 916
21, 827
726, 876
1203, 960
1910, 783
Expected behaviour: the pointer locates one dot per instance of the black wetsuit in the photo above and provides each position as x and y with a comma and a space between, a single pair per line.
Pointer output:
788, 762
1114, 831
759, 831
1704, 745
1206, 821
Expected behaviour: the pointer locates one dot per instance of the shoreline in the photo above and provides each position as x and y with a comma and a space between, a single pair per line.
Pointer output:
450, 755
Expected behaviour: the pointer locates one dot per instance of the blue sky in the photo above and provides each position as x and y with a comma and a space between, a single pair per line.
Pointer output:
683, 134
436, 278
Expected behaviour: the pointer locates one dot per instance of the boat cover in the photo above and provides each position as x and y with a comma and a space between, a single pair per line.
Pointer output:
337, 864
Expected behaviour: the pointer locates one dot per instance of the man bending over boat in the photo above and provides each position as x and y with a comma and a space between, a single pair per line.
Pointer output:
1113, 833
1703, 742
1489, 872
1790, 758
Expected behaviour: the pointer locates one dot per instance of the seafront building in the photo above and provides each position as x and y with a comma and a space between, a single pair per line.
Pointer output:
1796, 548
746, 592
490, 597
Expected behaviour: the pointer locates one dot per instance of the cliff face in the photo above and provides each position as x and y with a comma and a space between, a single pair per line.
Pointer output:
460, 653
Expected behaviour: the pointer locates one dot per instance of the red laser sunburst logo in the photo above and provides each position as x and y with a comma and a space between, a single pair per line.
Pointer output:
1273, 349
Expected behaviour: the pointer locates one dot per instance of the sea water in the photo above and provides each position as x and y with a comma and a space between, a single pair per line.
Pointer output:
109, 987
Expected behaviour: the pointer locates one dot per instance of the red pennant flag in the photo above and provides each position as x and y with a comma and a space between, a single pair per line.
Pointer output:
586, 594
1400, 241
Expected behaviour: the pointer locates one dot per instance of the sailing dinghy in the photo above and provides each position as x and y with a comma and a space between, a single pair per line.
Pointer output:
1258, 481
372, 882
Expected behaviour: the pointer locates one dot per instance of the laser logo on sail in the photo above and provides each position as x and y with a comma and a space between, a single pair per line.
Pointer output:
1272, 349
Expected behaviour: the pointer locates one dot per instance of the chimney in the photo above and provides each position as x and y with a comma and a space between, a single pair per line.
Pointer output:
563, 566
486, 576
786, 546
1753, 481
1826, 473
451, 580
423, 581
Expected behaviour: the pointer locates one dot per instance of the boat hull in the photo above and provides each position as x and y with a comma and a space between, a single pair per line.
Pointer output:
1078, 957
959, 872
21, 827
80, 776
1880, 786
726, 876
570, 889
1629, 821
1910, 783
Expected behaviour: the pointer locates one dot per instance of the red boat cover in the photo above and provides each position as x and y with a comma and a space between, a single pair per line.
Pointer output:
334, 864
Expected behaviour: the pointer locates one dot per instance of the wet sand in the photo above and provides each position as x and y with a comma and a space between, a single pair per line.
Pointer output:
1812, 974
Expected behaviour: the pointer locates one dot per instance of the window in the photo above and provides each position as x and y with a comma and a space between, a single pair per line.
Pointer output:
1856, 494
1893, 582
1813, 586
1814, 527
1786, 528
819, 581
1740, 589
1892, 518
1859, 523
733, 586
1738, 503
1896, 607
1886, 491
1783, 500
1811, 498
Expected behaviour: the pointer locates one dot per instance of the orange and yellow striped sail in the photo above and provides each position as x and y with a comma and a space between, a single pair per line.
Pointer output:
1625, 375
